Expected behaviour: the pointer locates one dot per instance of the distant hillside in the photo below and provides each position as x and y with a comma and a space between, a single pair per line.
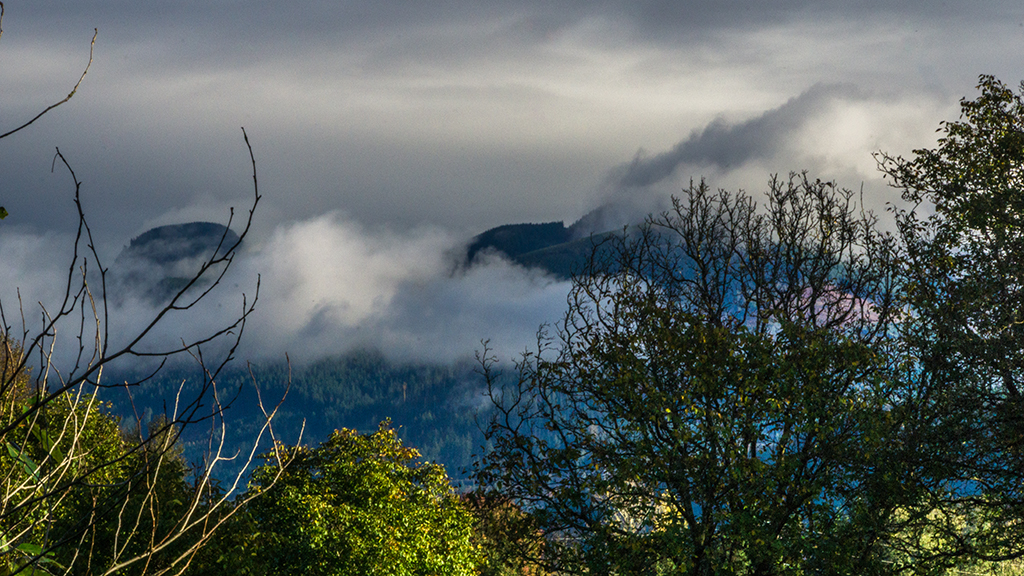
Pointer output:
549, 246
159, 262
437, 409
563, 260
166, 245
515, 239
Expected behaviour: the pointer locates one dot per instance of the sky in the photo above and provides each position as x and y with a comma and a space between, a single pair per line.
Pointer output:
386, 134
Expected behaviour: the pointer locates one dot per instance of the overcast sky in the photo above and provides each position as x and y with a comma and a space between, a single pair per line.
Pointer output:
397, 129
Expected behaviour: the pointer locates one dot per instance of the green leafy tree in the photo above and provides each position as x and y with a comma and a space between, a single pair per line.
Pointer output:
39, 460
963, 241
508, 537
720, 398
355, 505
966, 281
130, 490
151, 492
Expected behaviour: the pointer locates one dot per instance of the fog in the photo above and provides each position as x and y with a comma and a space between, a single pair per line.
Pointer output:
327, 286
331, 284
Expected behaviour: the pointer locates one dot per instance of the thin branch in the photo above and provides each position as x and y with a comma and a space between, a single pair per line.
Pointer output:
64, 474
92, 46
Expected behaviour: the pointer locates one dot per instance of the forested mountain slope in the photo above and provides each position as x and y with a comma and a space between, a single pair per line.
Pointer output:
434, 407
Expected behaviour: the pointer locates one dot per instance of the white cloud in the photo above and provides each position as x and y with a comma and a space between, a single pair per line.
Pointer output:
330, 286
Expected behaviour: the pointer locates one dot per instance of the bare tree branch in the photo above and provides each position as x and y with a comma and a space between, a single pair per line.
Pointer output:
61, 408
92, 46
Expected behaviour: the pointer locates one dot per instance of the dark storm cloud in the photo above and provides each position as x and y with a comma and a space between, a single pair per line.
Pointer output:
725, 145
247, 30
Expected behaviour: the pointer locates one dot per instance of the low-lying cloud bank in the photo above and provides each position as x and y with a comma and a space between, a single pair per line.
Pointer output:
327, 286
330, 284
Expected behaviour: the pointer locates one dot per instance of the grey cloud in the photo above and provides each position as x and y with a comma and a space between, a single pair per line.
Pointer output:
725, 146
464, 114
247, 29
668, 18
328, 286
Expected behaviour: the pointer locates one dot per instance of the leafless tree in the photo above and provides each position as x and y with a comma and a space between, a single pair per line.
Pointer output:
77, 493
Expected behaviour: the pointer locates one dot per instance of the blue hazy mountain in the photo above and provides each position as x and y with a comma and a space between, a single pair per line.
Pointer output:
161, 261
166, 245
437, 408
514, 240
553, 247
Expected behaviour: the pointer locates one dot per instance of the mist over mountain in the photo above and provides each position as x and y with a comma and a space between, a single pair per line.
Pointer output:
375, 324
159, 262
553, 247
517, 239
356, 371
167, 245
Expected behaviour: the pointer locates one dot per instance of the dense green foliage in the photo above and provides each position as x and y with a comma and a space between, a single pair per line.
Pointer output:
508, 537
785, 390
964, 292
718, 397
965, 278
108, 497
359, 505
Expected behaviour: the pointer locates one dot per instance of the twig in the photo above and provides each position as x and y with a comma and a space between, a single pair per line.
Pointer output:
92, 46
